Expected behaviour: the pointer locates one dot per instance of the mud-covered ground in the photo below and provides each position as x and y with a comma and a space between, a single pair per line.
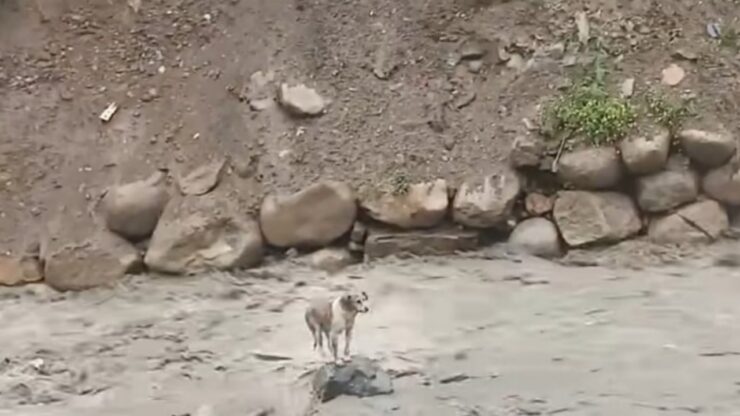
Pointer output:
521, 337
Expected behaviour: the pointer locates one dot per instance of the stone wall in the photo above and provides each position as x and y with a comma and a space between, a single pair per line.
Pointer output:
673, 189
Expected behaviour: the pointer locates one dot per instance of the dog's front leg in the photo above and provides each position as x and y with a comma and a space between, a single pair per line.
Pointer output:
334, 346
347, 341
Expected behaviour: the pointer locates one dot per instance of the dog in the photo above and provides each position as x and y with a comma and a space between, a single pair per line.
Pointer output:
331, 318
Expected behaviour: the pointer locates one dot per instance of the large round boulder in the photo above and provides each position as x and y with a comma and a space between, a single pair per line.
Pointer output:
312, 217
595, 217
133, 209
486, 202
591, 169
201, 233
422, 205
538, 237
646, 153
710, 149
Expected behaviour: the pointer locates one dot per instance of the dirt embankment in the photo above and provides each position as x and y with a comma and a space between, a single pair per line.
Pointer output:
182, 75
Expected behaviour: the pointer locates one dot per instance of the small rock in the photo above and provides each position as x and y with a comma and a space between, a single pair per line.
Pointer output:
313, 217
16, 271
526, 151
595, 217
261, 104
100, 260
646, 153
331, 260
537, 237
673, 75
685, 54
713, 30
710, 149
201, 233
472, 49
723, 184
583, 27
701, 222
486, 202
423, 205
668, 189
455, 378
381, 244
361, 377
537, 204
203, 179
556, 50
475, 66
591, 168
516, 62
627, 88
132, 210
300, 100
570, 60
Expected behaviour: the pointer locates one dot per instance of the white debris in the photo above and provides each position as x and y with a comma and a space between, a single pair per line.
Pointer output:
108, 113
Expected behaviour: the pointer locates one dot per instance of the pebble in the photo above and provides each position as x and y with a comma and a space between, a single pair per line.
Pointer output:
673, 75
628, 87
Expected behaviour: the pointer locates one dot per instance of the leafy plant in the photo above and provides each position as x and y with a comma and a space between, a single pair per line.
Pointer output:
666, 113
589, 110
399, 184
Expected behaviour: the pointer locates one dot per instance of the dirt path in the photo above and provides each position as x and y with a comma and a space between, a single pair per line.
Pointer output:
531, 337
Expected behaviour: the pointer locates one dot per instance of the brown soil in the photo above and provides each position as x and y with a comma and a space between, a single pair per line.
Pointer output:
63, 61
594, 341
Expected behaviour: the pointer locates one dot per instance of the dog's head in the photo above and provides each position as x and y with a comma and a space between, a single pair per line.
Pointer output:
356, 302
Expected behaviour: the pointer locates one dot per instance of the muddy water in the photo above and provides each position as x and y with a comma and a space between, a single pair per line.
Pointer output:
515, 335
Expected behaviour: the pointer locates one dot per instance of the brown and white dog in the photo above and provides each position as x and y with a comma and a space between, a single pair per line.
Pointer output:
330, 318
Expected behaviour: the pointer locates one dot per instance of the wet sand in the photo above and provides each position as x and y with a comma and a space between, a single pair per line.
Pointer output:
467, 336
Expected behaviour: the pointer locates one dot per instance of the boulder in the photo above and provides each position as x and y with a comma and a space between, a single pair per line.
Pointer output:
700, 222
419, 243
486, 202
313, 217
723, 184
19, 270
332, 259
591, 169
200, 233
710, 149
132, 210
646, 153
301, 100
538, 237
423, 205
526, 151
537, 204
100, 260
668, 189
202, 179
595, 217
361, 377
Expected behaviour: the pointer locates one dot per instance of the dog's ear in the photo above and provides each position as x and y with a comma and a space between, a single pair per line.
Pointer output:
364, 296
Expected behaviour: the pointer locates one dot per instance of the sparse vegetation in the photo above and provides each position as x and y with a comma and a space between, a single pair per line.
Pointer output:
729, 38
589, 111
399, 184
665, 112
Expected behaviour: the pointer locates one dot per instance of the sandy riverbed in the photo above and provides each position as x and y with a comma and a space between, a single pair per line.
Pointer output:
526, 337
